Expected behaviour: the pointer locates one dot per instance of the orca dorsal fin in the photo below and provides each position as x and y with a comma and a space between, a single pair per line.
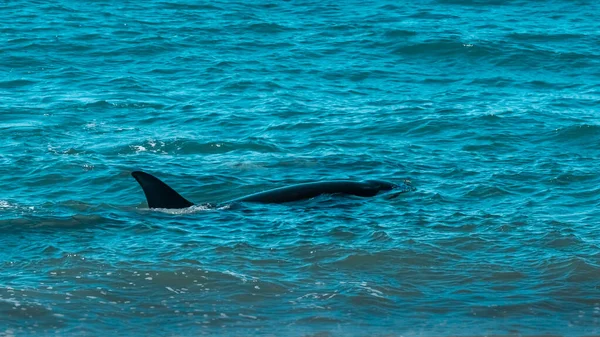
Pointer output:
159, 194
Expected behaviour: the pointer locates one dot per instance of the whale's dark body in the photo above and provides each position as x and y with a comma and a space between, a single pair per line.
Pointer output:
160, 195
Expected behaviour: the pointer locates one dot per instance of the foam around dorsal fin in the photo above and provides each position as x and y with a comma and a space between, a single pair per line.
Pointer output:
158, 194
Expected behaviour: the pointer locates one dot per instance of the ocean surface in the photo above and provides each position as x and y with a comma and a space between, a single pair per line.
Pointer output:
490, 108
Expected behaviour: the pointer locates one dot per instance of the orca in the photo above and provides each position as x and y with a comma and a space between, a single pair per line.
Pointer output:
160, 195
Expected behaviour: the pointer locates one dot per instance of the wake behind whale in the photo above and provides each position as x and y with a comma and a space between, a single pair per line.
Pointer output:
160, 195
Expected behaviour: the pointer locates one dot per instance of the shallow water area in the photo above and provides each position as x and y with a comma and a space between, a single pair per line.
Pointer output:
490, 108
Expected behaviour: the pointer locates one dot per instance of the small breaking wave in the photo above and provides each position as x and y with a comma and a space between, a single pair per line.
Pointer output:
189, 210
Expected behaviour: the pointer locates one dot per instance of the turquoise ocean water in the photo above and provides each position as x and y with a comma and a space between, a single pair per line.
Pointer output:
490, 108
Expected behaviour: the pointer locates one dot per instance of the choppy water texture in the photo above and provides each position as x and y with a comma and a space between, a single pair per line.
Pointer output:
490, 107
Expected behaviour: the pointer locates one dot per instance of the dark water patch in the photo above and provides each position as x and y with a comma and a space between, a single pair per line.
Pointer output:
574, 176
99, 104
268, 28
544, 38
441, 80
166, 71
127, 33
445, 48
390, 7
147, 49
491, 147
14, 84
432, 16
189, 6
483, 191
531, 56
481, 3
22, 61
241, 85
50, 223
539, 85
582, 134
557, 240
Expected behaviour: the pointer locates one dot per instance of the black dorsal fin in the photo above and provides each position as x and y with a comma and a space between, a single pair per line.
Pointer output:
159, 194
